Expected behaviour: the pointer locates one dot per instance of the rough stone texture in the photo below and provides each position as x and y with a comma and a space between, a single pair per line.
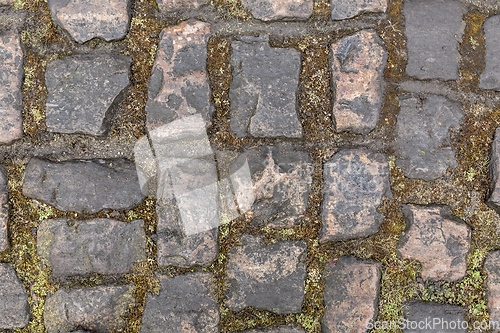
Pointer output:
263, 92
185, 304
280, 329
4, 210
492, 267
81, 89
438, 240
423, 135
351, 294
355, 182
268, 277
281, 178
174, 5
14, 307
490, 78
11, 73
343, 9
444, 318
268, 10
494, 199
357, 65
97, 309
83, 185
432, 41
84, 20
103, 246
7, 2
179, 85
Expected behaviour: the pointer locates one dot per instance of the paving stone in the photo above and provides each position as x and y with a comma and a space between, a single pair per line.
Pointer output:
264, 89
492, 267
355, 182
98, 309
174, 5
11, 74
490, 78
281, 178
103, 246
4, 210
14, 307
7, 2
81, 89
79, 186
438, 240
433, 317
423, 135
432, 41
268, 277
84, 20
268, 10
179, 85
280, 329
494, 199
344, 9
357, 65
351, 294
186, 303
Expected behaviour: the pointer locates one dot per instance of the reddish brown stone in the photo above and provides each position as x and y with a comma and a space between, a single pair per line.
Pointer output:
84, 20
174, 5
492, 267
355, 182
357, 66
438, 240
4, 210
11, 73
268, 10
343, 9
351, 294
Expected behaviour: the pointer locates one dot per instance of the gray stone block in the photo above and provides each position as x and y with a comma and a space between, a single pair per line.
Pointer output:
14, 307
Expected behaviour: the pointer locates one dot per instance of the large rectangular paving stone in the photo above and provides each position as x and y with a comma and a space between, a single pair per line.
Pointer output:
103, 246
96, 309
357, 66
14, 307
492, 267
11, 73
268, 277
264, 89
269, 10
494, 199
186, 303
351, 294
79, 186
356, 180
344, 9
4, 209
490, 77
434, 317
433, 31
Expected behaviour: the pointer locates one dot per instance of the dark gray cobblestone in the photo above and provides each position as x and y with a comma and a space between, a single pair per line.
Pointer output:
451, 318
14, 307
344, 9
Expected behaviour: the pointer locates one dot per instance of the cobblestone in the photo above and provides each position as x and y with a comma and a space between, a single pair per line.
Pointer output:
14, 307
344, 9
494, 199
179, 5
440, 241
269, 10
445, 318
490, 77
4, 210
492, 267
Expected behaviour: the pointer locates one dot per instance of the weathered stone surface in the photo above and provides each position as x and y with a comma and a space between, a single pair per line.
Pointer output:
97, 309
102, 246
494, 199
268, 10
432, 41
11, 73
4, 210
490, 78
443, 318
423, 135
280, 329
83, 185
281, 178
179, 85
269, 277
81, 89
174, 5
7, 2
14, 307
351, 294
84, 20
343, 9
357, 65
492, 267
438, 240
263, 92
186, 304
355, 182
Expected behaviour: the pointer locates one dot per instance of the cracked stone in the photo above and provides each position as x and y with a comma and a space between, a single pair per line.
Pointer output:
438, 240
269, 277
186, 302
351, 294
494, 199
263, 91
4, 210
81, 90
268, 10
357, 65
78, 186
97, 309
102, 246
433, 42
490, 77
11, 74
355, 182
423, 135
84, 20
344, 9
14, 307
446, 318
175, 5
492, 267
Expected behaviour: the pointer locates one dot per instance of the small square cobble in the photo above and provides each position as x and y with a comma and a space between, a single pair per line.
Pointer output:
14, 307
268, 10
344, 9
